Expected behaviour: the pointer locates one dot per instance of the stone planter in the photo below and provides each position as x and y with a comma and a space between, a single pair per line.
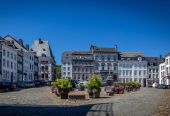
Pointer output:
64, 94
94, 95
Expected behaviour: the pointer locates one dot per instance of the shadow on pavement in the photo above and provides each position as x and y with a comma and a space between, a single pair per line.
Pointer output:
83, 110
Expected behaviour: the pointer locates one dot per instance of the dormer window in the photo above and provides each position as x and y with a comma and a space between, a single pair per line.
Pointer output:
139, 58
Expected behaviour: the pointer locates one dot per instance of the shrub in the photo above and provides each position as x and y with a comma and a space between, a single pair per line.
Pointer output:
62, 85
93, 86
81, 86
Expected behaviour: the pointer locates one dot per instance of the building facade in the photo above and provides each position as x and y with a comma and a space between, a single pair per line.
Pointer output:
27, 59
46, 60
132, 67
82, 65
106, 62
66, 64
8, 65
153, 69
77, 65
164, 68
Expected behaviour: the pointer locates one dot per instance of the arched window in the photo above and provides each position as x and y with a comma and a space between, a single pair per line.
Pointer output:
103, 65
109, 66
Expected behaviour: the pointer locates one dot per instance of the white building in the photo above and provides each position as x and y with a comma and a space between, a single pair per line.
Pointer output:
164, 69
47, 70
131, 67
28, 59
66, 65
8, 57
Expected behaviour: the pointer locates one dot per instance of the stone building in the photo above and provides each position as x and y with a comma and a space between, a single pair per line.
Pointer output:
46, 60
77, 65
106, 62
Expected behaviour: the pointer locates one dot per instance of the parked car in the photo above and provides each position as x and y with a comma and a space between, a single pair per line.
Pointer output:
162, 86
20, 85
29, 84
48, 83
5, 85
43, 83
37, 83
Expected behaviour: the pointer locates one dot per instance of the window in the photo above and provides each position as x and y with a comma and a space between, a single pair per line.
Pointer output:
135, 72
140, 73
102, 58
44, 49
15, 57
103, 65
68, 73
64, 68
166, 61
43, 55
96, 57
4, 63
11, 65
68, 68
4, 52
8, 64
8, 54
108, 58
11, 55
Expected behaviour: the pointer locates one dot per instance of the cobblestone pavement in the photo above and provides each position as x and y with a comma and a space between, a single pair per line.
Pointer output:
164, 108
39, 101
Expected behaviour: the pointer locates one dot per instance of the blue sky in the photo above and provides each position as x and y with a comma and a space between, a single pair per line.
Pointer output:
134, 25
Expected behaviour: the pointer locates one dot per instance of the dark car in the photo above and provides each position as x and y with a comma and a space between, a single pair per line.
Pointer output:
48, 83
162, 86
37, 83
43, 83
20, 85
5, 85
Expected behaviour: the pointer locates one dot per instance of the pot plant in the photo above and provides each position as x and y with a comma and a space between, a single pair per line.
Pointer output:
93, 87
63, 86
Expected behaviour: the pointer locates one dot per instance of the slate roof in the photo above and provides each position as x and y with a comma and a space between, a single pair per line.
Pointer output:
131, 54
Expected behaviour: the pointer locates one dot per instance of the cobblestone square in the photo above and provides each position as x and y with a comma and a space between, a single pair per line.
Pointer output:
40, 101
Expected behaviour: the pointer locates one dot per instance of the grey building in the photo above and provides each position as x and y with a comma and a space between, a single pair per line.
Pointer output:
46, 60
82, 65
106, 62
153, 69
78, 65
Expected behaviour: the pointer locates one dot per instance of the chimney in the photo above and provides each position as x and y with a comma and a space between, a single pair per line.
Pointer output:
160, 56
40, 41
20, 41
27, 46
